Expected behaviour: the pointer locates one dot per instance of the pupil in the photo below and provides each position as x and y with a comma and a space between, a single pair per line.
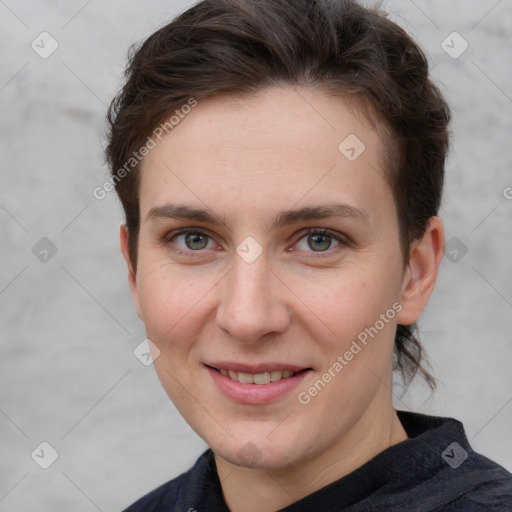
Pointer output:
194, 238
318, 242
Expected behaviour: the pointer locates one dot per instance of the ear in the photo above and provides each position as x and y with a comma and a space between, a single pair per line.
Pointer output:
421, 272
132, 275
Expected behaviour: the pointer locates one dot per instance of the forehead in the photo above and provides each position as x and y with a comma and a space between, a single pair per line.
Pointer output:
282, 144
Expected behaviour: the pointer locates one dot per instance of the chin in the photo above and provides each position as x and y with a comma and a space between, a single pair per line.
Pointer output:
263, 451
250, 455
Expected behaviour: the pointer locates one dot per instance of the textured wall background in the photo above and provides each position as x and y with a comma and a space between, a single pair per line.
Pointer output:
67, 326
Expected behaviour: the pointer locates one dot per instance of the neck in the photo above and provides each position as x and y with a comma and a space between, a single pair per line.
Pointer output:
272, 490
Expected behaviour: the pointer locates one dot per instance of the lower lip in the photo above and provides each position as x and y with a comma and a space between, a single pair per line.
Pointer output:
256, 393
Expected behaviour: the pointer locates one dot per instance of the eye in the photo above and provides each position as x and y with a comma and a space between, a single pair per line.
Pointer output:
190, 240
320, 240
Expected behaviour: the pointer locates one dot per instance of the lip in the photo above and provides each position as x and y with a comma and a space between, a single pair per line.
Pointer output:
255, 394
255, 368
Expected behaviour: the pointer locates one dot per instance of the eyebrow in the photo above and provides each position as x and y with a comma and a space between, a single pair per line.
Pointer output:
284, 218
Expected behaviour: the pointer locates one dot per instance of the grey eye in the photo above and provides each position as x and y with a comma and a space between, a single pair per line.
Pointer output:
318, 242
196, 241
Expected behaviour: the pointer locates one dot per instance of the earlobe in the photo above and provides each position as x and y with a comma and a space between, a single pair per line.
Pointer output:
132, 275
421, 273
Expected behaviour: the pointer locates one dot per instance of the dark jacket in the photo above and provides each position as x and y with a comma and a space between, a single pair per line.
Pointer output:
434, 470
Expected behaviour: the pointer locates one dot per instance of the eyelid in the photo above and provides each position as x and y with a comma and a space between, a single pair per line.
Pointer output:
340, 237
168, 236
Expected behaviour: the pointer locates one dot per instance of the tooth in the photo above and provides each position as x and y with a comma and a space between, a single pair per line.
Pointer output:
245, 378
258, 378
261, 378
276, 375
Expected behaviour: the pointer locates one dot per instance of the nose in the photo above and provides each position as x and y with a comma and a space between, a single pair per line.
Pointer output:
252, 304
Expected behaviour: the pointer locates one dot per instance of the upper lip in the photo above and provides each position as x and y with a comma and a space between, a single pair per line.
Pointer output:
255, 368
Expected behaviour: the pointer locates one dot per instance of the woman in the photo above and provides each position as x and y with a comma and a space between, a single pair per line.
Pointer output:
280, 164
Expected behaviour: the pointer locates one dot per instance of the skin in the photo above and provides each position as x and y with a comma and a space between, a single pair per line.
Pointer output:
247, 159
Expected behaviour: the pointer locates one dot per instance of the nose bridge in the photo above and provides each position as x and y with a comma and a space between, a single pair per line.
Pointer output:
249, 309
248, 287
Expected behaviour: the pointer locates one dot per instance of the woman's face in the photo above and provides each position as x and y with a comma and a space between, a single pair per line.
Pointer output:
236, 294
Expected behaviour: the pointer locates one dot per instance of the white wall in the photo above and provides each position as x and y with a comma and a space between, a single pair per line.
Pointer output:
67, 326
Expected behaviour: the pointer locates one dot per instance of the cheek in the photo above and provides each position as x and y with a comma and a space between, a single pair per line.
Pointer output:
352, 301
170, 302
357, 348
173, 311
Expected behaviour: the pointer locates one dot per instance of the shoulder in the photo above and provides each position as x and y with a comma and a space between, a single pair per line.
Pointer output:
445, 473
176, 493
482, 486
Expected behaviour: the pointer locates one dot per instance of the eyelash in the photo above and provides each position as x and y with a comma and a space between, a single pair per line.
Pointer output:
343, 240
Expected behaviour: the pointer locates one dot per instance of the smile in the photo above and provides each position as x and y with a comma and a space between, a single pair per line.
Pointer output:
257, 378
256, 383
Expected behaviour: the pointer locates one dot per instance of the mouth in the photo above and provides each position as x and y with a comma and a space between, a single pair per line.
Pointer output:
256, 384
257, 378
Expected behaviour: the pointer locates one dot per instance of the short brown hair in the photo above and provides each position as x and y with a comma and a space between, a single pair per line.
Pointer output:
242, 46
